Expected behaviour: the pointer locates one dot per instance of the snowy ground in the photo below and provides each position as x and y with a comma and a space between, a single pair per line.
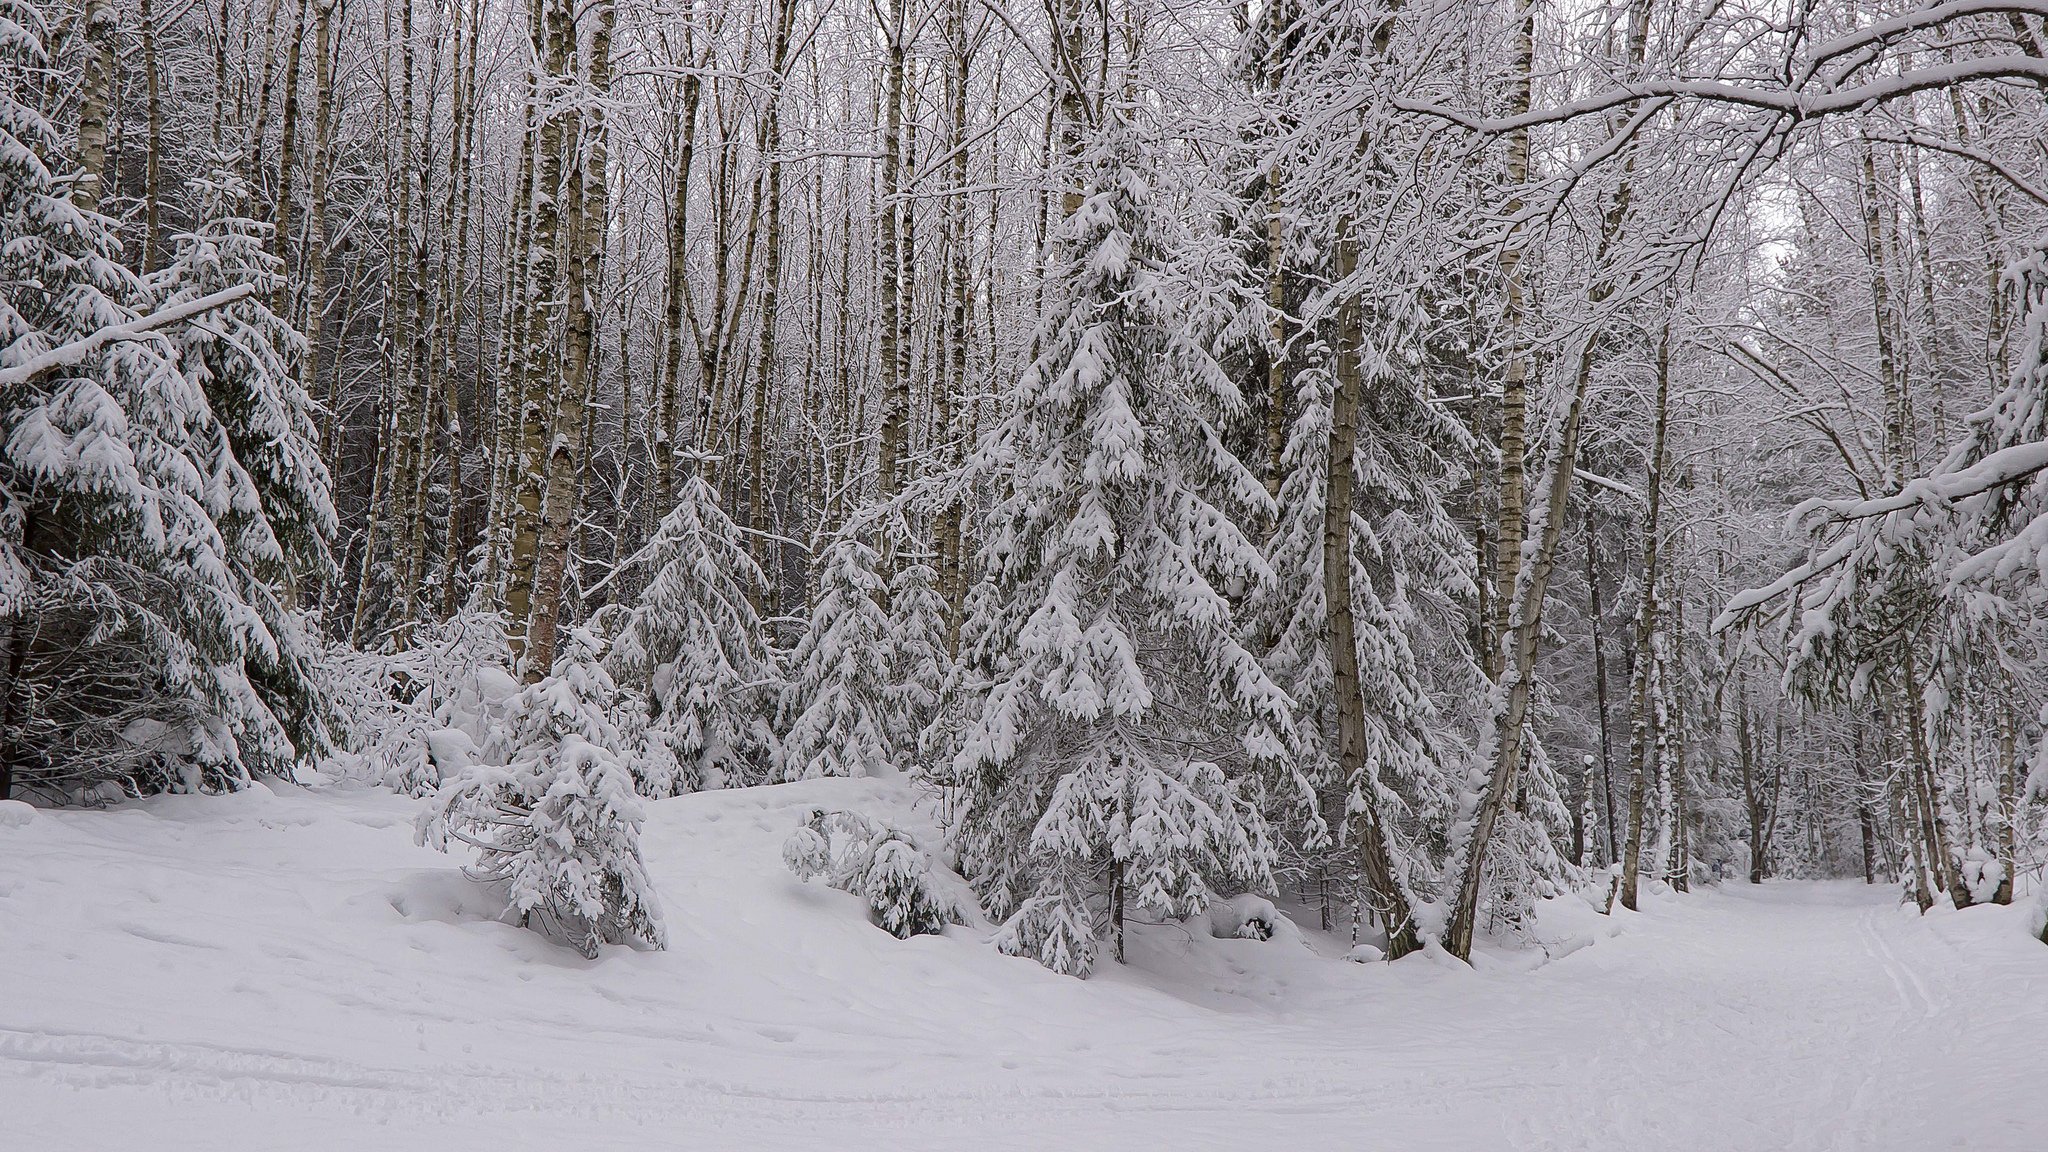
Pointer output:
285, 970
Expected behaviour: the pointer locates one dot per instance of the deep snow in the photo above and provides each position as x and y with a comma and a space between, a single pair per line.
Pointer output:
282, 969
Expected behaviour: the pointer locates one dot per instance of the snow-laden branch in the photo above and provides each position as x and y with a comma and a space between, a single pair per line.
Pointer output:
1610, 484
2000, 468
1788, 101
77, 350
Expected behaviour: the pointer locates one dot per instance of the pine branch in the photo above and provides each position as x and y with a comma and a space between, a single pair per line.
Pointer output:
77, 350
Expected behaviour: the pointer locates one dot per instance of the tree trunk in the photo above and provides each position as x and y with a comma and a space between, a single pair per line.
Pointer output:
95, 102
1599, 622
286, 153
1643, 734
1514, 403
537, 369
1374, 849
895, 352
152, 172
565, 457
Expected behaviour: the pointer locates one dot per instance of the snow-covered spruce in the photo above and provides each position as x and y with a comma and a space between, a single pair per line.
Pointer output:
835, 708
872, 859
241, 357
920, 659
554, 815
1113, 766
696, 647
1396, 549
152, 645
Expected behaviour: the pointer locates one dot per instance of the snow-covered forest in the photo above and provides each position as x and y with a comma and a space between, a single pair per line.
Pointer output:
607, 559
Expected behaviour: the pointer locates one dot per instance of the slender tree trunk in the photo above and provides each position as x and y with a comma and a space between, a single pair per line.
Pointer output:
316, 255
1599, 626
95, 102
765, 377
2008, 805
1643, 733
895, 351
668, 416
152, 171
565, 462
537, 368
1374, 848
286, 153
1510, 525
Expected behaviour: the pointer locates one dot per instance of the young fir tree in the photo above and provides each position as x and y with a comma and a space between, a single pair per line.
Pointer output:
241, 358
696, 647
554, 815
126, 632
920, 661
834, 707
1113, 766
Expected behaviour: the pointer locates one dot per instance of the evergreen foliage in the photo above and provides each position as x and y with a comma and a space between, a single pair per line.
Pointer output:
696, 647
554, 815
835, 707
147, 645
1114, 762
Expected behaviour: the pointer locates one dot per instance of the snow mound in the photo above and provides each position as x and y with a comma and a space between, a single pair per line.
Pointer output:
15, 814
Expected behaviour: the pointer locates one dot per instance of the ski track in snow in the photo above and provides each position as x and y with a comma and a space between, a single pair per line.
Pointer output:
285, 970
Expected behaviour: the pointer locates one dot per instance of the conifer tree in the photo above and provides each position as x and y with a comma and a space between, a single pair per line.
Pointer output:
696, 647
128, 636
835, 706
554, 815
242, 358
919, 661
1113, 765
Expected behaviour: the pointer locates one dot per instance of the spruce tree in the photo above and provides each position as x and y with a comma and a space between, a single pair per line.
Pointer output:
554, 815
920, 663
1114, 764
128, 634
835, 708
696, 648
242, 358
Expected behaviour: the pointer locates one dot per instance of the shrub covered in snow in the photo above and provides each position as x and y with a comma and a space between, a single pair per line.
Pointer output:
421, 715
555, 817
868, 858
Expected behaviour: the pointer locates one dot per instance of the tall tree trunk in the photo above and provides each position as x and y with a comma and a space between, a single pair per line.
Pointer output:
95, 102
668, 415
565, 458
537, 369
895, 350
1643, 734
1514, 403
316, 254
765, 377
1599, 627
152, 171
286, 153
1375, 850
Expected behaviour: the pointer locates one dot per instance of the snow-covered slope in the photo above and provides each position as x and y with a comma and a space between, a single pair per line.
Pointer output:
284, 970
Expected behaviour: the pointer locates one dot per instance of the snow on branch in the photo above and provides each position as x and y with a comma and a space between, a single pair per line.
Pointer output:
77, 350
1787, 101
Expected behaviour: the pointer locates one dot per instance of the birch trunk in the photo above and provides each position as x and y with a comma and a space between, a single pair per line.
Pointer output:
565, 463
1643, 735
